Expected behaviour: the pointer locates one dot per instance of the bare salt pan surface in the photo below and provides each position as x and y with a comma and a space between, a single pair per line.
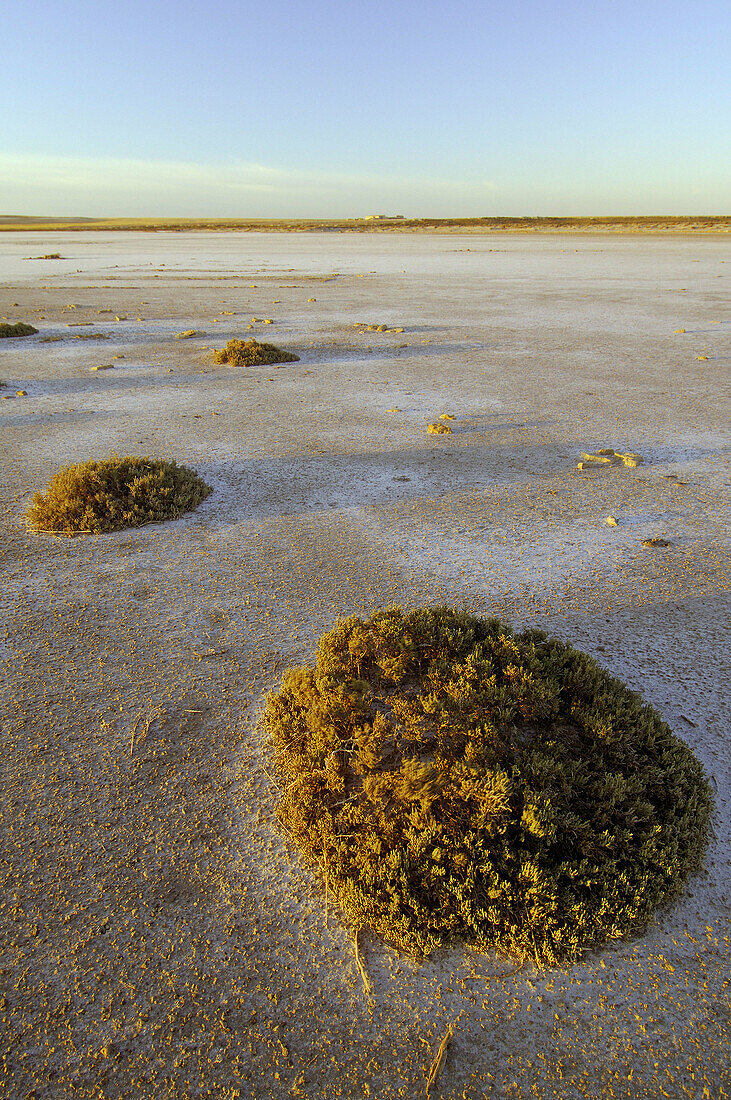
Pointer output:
159, 934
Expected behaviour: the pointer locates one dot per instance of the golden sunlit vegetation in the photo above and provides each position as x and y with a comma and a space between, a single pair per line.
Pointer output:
451, 779
18, 329
251, 353
94, 497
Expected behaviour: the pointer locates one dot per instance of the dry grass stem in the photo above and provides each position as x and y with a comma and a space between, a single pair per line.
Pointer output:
367, 984
439, 1057
155, 712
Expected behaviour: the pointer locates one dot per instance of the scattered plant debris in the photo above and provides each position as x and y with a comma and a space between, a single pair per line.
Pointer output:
365, 327
608, 457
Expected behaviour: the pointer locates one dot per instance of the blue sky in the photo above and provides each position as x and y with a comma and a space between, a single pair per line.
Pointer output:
286, 109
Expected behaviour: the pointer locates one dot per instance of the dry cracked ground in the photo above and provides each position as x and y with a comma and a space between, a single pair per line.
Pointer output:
159, 935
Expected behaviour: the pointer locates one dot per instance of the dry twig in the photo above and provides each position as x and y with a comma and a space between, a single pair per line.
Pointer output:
367, 986
439, 1057
154, 713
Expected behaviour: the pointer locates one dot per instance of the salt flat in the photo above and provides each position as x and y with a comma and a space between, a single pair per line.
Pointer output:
159, 934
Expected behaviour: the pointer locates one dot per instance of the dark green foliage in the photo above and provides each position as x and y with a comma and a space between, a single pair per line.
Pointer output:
18, 329
117, 493
250, 353
452, 779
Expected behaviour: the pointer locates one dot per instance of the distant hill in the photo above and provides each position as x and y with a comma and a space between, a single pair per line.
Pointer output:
710, 223
22, 220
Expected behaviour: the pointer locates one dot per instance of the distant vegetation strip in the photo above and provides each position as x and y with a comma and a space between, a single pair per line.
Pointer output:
645, 224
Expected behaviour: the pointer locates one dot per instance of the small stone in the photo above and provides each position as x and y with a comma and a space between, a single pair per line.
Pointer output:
188, 333
312, 299
678, 331
655, 542
446, 416
21, 393
439, 429
702, 358
611, 521
104, 366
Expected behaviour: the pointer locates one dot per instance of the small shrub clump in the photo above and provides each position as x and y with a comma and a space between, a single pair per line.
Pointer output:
18, 329
251, 353
94, 497
451, 779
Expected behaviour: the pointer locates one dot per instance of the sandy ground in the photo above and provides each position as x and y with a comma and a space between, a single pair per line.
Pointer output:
159, 935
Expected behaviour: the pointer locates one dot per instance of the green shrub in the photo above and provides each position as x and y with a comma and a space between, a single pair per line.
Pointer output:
94, 497
250, 353
452, 779
18, 329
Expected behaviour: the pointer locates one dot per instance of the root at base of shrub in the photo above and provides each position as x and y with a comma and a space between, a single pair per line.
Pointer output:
451, 779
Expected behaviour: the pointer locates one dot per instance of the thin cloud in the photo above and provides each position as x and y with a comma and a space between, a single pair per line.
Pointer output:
31, 183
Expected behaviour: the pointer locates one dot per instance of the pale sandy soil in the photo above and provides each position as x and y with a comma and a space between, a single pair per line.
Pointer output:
159, 936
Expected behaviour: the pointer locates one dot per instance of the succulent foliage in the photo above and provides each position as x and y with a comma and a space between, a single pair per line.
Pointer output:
18, 329
93, 497
452, 779
252, 353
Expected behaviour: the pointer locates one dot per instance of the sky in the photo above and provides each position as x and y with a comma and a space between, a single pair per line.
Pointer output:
341, 108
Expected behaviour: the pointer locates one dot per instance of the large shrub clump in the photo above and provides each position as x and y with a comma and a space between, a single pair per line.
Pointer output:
251, 353
94, 497
8, 331
453, 779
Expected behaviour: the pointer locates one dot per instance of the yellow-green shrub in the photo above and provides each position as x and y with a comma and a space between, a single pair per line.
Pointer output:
452, 779
18, 329
251, 353
93, 497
